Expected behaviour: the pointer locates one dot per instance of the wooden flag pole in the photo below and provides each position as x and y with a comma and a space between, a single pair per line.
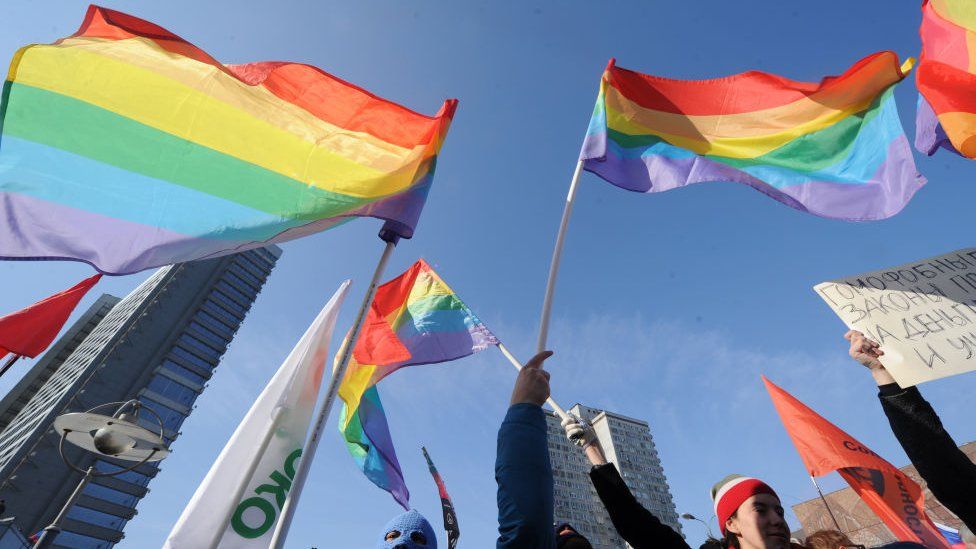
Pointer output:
831, 513
557, 253
8, 364
518, 366
345, 354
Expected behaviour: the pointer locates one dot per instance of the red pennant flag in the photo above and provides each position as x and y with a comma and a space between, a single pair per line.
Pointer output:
30, 330
893, 496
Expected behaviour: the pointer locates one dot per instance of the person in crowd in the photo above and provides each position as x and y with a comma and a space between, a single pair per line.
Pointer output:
568, 538
830, 539
522, 468
408, 530
949, 474
749, 512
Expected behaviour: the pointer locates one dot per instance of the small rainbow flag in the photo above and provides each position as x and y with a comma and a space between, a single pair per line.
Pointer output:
127, 147
415, 319
946, 78
834, 149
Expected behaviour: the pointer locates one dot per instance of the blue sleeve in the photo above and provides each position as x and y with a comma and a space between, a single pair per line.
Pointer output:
524, 477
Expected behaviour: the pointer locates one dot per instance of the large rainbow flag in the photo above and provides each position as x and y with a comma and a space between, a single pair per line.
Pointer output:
946, 78
834, 148
415, 319
127, 147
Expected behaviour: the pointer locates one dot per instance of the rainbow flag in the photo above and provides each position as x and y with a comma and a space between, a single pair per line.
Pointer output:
415, 319
834, 149
127, 147
946, 78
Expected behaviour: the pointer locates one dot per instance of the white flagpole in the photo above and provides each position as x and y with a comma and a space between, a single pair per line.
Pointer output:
518, 366
345, 353
556, 256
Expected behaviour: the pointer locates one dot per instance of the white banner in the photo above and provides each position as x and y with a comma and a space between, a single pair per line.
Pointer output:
922, 313
278, 421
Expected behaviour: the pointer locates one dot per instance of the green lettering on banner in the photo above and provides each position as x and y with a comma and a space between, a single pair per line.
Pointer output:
280, 484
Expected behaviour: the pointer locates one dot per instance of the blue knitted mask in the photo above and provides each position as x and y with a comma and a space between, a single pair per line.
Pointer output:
414, 533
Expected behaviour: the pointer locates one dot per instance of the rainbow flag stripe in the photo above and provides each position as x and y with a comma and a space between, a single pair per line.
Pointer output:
414, 319
834, 149
946, 78
127, 147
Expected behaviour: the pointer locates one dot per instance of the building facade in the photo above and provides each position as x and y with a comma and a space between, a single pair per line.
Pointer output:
628, 444
160, 345
859, 522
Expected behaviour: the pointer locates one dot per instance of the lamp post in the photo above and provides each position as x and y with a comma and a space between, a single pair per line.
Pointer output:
689, 516
117, 436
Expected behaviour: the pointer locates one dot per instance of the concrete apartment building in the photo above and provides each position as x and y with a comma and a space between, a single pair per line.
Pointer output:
627, 442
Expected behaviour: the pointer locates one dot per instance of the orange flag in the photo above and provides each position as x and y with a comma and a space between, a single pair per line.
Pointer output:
29, 331
893, 496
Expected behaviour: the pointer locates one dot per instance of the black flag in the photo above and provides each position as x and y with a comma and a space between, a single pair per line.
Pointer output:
450, 519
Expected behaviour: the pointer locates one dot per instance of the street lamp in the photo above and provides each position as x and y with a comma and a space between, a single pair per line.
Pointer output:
689, 516
117, 436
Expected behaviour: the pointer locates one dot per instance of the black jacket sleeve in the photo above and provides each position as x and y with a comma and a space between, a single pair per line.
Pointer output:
638, 526
948, 472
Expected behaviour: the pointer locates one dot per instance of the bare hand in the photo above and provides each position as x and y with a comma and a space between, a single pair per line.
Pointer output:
532, 383
869, 353
864, 350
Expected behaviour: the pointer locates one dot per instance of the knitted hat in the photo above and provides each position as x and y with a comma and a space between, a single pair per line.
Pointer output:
731, 492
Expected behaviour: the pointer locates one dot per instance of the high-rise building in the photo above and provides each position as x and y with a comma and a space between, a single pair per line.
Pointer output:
160, 345
858, 521
628, 444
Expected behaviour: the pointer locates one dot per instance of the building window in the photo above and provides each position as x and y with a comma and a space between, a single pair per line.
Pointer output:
171, 418
97, 518
251, 280
233, 292
182, 372
208, 335
198, 346
110, 495
78, 541
192, 358
229, 303
177, 392
131, 477
217, 318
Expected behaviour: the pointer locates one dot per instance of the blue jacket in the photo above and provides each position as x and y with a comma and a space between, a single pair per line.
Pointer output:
524, 477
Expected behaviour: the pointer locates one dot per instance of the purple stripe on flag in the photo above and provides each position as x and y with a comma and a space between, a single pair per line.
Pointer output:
38, 229
849, 202
929, 135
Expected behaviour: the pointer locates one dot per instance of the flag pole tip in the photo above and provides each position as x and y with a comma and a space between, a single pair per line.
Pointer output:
393, 231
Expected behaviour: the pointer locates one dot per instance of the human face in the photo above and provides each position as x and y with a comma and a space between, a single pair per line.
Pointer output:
759, 524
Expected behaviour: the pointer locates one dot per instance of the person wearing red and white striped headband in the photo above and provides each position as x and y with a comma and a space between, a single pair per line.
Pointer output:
749, 514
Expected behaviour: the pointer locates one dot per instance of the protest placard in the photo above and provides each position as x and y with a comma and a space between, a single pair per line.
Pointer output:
922, 313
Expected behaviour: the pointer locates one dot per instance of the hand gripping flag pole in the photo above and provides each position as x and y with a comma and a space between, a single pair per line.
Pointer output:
557, 253
391, 236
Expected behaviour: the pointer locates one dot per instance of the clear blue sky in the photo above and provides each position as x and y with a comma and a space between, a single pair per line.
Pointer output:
669, 306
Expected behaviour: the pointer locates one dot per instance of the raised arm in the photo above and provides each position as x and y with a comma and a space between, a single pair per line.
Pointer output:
948, 472
638, 526
522, 468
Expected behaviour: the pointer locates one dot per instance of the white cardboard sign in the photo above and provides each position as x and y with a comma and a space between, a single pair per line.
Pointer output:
922, 313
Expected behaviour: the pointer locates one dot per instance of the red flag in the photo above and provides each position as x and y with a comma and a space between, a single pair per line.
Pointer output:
893, 496
30, 330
